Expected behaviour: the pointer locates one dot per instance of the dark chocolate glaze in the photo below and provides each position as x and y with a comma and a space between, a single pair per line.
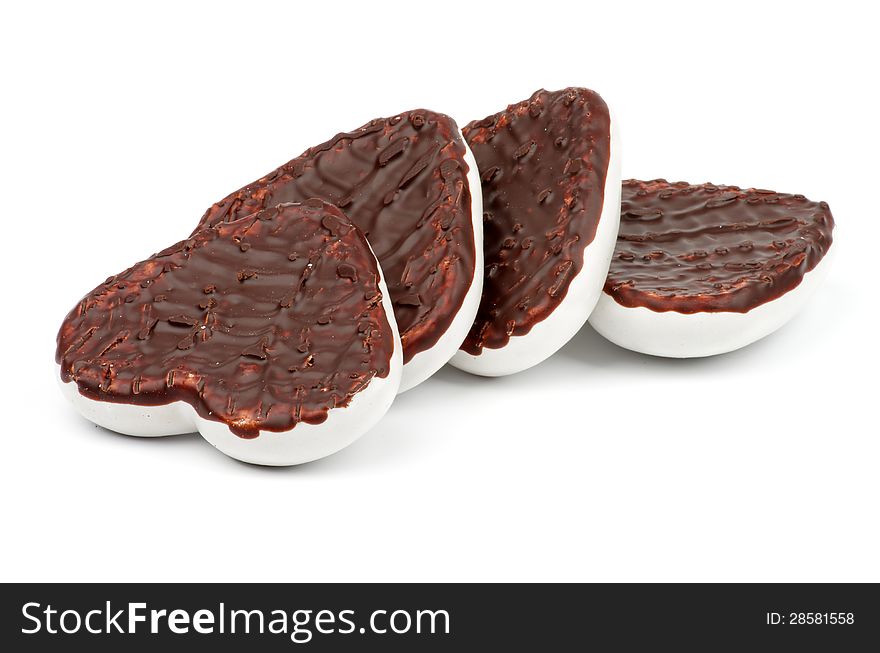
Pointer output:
543, 164
260, 323
403, 181
707, 248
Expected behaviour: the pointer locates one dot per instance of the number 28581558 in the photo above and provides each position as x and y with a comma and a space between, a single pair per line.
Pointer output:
810, 618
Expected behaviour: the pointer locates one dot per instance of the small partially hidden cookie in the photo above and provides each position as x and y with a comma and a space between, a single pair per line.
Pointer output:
550, 172
411, 185
271, 335
705, 269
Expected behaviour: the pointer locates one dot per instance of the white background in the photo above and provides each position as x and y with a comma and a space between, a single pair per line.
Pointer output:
122, 122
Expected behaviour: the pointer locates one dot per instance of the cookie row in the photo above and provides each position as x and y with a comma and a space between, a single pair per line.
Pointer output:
302, 303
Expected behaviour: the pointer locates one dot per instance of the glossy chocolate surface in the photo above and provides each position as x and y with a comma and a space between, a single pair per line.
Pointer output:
696, 248
259, 323
403, 181
542, 164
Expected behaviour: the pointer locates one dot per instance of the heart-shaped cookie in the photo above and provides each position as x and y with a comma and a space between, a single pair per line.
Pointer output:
703, 269
550, 171
271, 335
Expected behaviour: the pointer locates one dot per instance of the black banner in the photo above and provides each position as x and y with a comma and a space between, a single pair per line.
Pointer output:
439, 617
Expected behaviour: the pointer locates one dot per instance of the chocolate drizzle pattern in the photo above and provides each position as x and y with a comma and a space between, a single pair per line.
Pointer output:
710, 248
403, 182
260, 323
543, 164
